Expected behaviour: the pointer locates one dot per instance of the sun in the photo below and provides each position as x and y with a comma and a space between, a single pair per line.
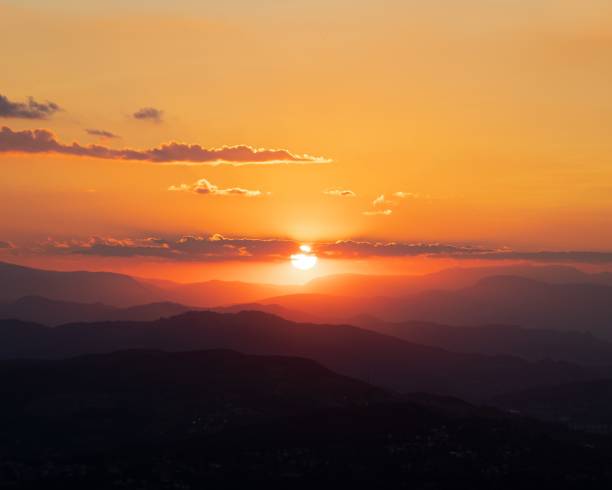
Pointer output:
305, 260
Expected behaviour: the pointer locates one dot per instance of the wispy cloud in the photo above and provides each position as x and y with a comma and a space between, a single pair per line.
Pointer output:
392, 201
44, 141
204, 187
381, 201
378, 212
100, 133
340, 193
148, 114
27, 110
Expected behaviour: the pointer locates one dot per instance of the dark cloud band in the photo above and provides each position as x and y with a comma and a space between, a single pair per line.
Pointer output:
44, 141
27, 110
220, 248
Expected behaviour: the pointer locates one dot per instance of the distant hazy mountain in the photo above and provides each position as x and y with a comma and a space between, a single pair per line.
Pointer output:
363, 285
272, 309
120, 290
53, 312
533, 344
500, 299
580, 305
83, 287
351, 351
223, 293
518, 301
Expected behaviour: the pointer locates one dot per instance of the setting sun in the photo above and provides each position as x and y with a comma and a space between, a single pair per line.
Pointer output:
305, 260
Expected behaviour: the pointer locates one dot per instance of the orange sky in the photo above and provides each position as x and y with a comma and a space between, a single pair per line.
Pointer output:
493, 119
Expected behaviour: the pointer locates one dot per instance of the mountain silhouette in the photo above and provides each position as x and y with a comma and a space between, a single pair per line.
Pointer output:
80, 286
359, 353
365, 285
122, 290
529, 343
53, 312
100, 402
492, 300
217, 293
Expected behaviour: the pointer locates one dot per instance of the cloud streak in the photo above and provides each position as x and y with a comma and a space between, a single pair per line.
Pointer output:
44, 141
204, 187
148, 114
101, 133
27, 110
340, 193
379, 212
382, 201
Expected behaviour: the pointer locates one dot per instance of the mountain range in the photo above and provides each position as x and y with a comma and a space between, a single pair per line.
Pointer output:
380, 359
506, 300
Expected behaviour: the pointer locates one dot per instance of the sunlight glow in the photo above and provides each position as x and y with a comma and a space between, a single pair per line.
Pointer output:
304, 261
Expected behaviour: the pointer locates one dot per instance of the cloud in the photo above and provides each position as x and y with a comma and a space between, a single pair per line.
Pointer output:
366, 249
404, 195
148, 114
6, 245
395, 200
44, 141
549, 256
27, 110
344, 249
101, 133
186, 248
378, 212
340, 193
203, 186
217, 247
382, 201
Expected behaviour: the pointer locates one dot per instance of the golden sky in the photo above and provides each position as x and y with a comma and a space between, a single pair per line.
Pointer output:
492, 120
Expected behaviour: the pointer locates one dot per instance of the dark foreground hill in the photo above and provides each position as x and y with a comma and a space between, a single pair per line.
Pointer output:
366, 355
219, 419
103, 401
587, 405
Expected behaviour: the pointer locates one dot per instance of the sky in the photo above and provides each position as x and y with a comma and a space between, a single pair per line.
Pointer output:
198, 139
